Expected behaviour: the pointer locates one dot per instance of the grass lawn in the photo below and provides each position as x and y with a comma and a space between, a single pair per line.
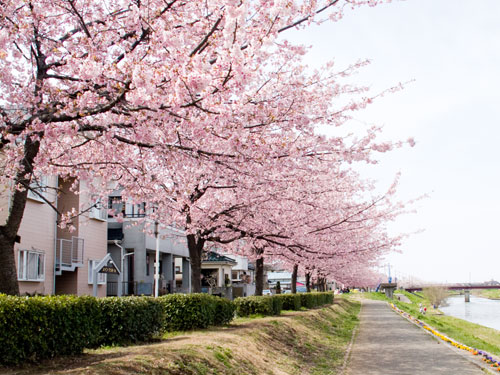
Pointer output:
309, 342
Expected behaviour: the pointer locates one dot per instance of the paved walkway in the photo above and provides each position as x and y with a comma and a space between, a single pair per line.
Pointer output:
388, 344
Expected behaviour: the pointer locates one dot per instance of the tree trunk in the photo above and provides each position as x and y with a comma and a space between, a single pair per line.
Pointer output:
195, 246
259, 276
294, 278
8, 231
308, 281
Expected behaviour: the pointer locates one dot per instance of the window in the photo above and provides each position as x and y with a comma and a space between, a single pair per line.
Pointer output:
101, 277
116, 206
135, 210
99, 210
39, 184
147, 265
31, 265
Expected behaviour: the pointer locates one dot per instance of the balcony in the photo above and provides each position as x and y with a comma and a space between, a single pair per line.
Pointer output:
69, 254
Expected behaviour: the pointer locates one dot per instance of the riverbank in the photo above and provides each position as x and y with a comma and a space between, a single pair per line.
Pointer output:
304, 342
487, 293
470, 334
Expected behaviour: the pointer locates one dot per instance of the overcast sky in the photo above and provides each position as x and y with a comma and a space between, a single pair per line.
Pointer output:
451, 49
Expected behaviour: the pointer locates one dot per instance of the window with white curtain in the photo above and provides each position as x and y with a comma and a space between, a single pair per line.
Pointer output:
31, 265
39, 184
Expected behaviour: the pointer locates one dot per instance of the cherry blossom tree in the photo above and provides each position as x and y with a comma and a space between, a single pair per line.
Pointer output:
157, 95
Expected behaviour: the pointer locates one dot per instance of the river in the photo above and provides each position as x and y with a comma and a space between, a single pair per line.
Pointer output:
479, 310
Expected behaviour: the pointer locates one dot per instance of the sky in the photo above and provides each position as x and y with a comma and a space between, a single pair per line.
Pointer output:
449, 53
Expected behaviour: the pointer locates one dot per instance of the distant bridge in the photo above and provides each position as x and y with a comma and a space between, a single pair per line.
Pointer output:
453, 287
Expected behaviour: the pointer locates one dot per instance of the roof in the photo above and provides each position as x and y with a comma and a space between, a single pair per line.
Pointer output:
212, 256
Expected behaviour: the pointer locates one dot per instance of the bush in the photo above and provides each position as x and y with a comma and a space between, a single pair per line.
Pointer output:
190, 311
224, 311
436, 295
307, 300
310, 300
246, 306
272, 305
32, 328
277, 304
130, 319
291, 301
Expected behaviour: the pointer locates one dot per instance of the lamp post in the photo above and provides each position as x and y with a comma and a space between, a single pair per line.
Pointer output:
120, 276
157, 260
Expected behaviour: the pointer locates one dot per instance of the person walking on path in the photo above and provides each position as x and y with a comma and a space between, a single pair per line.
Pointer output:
388, 344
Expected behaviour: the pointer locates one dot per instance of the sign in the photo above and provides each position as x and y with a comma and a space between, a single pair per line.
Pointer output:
110, 268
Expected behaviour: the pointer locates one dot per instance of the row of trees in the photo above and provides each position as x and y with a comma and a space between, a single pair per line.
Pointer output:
203, 110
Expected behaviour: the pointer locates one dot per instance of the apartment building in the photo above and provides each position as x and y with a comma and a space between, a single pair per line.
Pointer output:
51, 260
132, 243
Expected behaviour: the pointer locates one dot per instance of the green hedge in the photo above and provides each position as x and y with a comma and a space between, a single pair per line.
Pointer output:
33, 328
262, 305
190, 311
272, 305
310, 300
130, 319
291, 301
43, 327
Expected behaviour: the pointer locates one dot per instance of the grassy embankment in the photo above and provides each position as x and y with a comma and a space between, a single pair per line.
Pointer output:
470, 334
487, 293
303, 342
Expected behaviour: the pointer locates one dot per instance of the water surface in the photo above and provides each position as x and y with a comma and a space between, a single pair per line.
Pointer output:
479, 310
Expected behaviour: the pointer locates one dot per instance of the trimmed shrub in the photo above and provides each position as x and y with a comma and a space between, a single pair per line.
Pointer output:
128, 320
277, 304
272, 305
310, 300
224, 311
307, 300
190, 311
291, 301
246, 306
32, 328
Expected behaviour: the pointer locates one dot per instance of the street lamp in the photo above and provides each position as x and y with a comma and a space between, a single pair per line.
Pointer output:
119, 292
157, 260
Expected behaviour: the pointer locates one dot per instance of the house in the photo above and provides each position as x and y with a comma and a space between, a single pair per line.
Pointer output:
132, 245
52, 260
242, 276
216, 270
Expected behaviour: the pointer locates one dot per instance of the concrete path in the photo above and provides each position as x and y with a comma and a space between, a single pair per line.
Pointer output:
386, 344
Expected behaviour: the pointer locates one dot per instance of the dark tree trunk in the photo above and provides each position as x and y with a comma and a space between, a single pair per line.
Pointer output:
308, 281
294, 278
8, 231
321, 284
259, 276
195, 246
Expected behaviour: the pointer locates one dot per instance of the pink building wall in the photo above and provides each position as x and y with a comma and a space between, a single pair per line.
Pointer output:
39, 231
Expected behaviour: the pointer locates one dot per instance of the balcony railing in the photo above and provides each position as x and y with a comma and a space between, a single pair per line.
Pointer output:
69, 254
